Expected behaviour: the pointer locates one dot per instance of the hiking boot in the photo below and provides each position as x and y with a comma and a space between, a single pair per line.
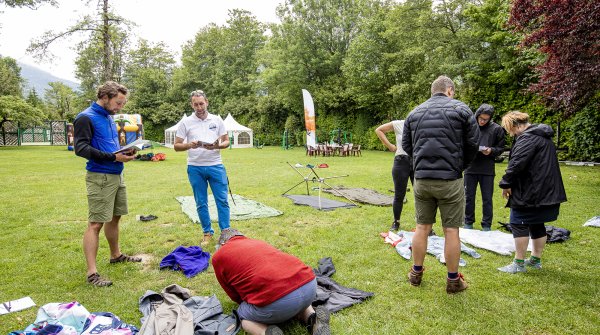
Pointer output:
456, 285
206, 239
318, 322
513, 267
96, 280
395, 226
468, 226
415, 277
273, 330
486, 228
533, 265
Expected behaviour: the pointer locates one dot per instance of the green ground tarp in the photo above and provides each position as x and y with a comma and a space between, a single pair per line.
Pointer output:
244, 209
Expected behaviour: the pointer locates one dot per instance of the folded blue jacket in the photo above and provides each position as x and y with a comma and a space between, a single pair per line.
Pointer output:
191, 260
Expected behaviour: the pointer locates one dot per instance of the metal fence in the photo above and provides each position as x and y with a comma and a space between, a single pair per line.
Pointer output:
50, 133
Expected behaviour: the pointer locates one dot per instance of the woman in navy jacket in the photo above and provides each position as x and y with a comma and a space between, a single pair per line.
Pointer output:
533, 186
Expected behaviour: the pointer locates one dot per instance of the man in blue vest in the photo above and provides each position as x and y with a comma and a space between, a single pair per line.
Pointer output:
97, 140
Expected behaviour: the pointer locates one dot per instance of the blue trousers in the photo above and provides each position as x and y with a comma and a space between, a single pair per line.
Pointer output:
215, 176
283, 309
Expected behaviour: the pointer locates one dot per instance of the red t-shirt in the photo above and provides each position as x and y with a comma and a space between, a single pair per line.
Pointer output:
255, 272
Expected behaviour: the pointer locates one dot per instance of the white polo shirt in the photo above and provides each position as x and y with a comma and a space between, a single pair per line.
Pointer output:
398, 131
192, 128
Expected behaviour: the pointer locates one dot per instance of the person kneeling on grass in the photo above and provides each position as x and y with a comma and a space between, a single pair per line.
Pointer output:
270, 286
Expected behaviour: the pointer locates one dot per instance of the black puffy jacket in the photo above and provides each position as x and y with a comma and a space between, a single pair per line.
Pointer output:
533, 174
441, 135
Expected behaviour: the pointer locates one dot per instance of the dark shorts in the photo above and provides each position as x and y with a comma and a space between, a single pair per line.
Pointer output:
535, 215
107, 196
447, 195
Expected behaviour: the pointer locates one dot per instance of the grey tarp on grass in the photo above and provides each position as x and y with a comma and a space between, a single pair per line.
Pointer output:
593, 222
313, 201
244, 209
362, 195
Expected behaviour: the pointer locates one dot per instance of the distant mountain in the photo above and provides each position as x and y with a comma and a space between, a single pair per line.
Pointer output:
39, 79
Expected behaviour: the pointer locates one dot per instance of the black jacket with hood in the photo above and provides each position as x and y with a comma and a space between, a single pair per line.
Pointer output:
491, 135
441, 136
533, 174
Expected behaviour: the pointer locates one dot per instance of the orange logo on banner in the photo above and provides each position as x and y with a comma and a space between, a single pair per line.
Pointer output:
309, 121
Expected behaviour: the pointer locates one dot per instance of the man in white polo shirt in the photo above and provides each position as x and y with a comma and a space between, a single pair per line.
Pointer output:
205, 134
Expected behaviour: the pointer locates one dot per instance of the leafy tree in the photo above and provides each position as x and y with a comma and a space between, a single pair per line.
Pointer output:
33, 4
386, 58
10, 77
15, 109
222, 60
61, 101
90, 68
568, 34
584, 139
494, 71
33, 99
106, 38
148, 75
307, 50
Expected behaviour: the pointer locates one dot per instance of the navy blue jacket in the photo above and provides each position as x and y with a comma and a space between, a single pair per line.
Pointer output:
441, 136
96, 138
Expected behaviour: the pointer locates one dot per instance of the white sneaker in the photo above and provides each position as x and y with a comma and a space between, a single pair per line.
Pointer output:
513, 268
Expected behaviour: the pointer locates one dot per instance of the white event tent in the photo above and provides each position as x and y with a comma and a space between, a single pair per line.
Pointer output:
170, 133
241, 136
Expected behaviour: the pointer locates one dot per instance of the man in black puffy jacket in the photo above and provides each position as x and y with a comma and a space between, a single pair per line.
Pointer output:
482, 170
441, 136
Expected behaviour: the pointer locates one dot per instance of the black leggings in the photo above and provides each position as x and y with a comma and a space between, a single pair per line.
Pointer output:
533, 230
401, 171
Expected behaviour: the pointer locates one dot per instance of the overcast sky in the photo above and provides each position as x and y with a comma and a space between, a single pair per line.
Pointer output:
173, 22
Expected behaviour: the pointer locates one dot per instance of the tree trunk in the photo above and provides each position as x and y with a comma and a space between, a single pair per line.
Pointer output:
106, 57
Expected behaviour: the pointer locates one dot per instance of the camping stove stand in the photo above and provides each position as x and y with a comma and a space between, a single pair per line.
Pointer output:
317, 179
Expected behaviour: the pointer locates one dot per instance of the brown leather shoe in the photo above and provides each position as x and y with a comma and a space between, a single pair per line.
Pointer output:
415, 277
456, 285
206, 239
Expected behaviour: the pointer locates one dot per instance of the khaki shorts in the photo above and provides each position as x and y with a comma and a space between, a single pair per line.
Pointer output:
107, 196
447, 195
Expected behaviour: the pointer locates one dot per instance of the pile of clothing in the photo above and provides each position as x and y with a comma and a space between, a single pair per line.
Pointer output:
151, 157
74, 319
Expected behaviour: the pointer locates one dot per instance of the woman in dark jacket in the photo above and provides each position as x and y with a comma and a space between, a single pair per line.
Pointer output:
533, 186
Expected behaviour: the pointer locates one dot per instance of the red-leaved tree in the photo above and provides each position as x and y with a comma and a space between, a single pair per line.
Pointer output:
567, 32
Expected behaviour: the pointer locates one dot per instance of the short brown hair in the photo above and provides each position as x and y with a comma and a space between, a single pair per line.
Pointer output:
513, 119
441, 84
111, 89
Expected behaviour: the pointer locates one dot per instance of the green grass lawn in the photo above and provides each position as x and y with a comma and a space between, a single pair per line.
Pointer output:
43, 213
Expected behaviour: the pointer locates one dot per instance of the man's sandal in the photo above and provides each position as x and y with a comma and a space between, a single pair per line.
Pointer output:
98, 281
125, 258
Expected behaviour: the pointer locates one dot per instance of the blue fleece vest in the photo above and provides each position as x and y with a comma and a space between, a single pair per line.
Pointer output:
105, 139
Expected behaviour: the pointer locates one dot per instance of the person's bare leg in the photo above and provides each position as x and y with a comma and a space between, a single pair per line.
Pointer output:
90, 245
111, 231
419, 243
254, 328
538, 246
451, 248
521, 247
